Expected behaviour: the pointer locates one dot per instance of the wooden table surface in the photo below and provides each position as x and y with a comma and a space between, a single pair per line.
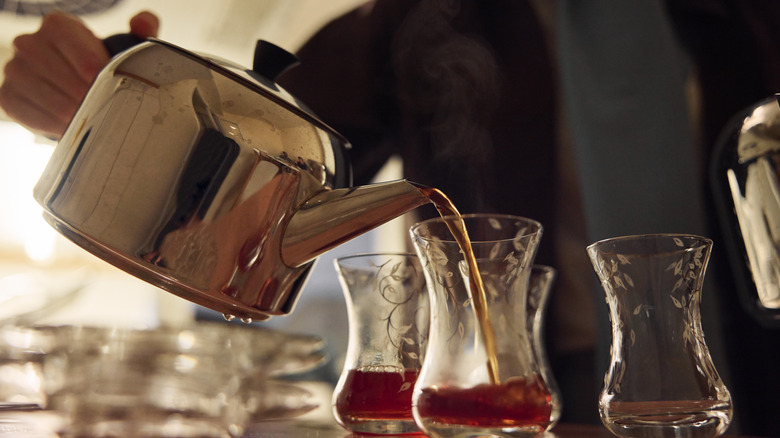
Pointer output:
32, 425
327, 429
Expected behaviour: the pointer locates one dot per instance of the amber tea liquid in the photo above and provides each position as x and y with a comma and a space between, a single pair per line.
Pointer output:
517, 402
377, 394
371, 397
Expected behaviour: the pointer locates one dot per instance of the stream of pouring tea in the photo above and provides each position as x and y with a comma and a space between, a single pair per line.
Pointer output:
457, 227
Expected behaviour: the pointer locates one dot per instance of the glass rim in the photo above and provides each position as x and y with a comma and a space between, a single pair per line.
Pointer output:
646, 236
444, 219
340, 261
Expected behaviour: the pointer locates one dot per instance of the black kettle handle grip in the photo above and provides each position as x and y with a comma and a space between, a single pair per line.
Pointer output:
120, 42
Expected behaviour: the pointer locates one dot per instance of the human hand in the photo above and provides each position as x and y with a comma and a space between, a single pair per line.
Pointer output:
53, 68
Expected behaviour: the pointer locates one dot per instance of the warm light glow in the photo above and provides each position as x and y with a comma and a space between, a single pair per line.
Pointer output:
22, 160
39, 246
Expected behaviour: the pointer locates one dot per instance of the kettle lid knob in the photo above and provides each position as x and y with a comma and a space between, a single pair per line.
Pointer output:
271, 61
115, 44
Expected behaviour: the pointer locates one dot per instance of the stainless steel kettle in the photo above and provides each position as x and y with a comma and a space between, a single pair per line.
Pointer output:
208, 180
745, 177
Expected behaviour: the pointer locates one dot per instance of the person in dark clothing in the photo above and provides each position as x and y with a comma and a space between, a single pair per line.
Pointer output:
465, 93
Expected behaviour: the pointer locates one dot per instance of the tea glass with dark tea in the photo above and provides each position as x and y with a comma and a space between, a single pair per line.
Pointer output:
480, 376
388, 326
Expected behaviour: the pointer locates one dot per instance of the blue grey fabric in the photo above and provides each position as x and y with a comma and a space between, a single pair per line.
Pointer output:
623, 78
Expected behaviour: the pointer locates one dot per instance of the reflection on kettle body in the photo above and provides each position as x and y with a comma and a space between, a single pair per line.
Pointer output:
206, 167
746, 187
760, 231
215, 255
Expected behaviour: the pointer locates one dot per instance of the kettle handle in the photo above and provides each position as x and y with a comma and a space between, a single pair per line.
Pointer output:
271, 61
116, 44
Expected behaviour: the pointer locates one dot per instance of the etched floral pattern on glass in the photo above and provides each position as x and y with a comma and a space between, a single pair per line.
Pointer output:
388, 328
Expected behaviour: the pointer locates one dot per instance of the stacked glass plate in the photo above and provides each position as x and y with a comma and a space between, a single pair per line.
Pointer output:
208, 379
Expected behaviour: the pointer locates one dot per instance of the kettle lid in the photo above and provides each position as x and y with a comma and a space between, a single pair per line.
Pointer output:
269, 62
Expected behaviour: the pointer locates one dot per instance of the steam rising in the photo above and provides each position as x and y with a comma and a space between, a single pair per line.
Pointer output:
452, 78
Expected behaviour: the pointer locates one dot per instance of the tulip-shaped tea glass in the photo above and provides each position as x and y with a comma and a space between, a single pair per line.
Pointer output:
388, 326
479, 376
661, 381
539, 287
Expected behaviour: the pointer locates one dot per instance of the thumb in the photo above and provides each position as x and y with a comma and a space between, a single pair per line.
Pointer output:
145, 25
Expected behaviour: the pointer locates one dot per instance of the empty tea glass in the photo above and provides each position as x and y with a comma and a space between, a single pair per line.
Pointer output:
388, 325
480, 376
661, 381
539, 287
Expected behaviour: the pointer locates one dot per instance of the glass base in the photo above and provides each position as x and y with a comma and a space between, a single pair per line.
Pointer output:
380, 426
443, 430
676, 419
22, 406
150, 429
707, 428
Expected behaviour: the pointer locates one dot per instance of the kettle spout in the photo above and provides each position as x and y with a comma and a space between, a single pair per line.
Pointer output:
333, 217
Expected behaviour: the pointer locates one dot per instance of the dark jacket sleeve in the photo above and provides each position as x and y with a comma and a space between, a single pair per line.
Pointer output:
345, 78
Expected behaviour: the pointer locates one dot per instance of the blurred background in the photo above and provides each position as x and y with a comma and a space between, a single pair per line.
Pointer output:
45, 278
